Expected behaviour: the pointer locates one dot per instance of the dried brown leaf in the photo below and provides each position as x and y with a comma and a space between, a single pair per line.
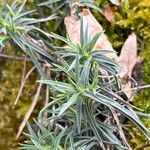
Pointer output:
128, 56
30, 110
109, 14
115, 2
127, 61
73, 30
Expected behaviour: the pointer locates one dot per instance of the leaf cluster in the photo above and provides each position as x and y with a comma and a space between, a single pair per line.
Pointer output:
81, 113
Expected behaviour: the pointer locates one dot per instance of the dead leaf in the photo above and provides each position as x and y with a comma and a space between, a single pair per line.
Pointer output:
73, 30
109, 14
128, 56
127, 61
115, 2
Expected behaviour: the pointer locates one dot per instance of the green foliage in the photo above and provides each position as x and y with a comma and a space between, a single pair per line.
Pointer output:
133, 16
80, 114
63, 8
73, 114
15, 26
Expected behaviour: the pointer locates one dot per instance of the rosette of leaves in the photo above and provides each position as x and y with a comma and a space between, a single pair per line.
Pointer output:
17, 27
82, 112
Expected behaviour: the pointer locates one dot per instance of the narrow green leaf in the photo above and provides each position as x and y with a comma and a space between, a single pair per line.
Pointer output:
84, 78
79, 114
69, 43
70, 101
129, 114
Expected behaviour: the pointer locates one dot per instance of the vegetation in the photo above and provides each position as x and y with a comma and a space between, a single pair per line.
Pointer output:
133, 17
82, 111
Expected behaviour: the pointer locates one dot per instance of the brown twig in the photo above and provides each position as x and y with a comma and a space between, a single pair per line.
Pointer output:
14, 57
122, 135
22, 84
30, 110
18, 58
47, 70
135, 88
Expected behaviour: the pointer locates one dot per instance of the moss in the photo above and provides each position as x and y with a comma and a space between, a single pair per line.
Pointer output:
10, 79
142, 100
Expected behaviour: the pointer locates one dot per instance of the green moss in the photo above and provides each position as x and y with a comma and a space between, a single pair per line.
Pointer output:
142, 100
10, 79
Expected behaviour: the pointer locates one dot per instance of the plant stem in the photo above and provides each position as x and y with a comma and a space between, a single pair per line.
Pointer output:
135, 88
